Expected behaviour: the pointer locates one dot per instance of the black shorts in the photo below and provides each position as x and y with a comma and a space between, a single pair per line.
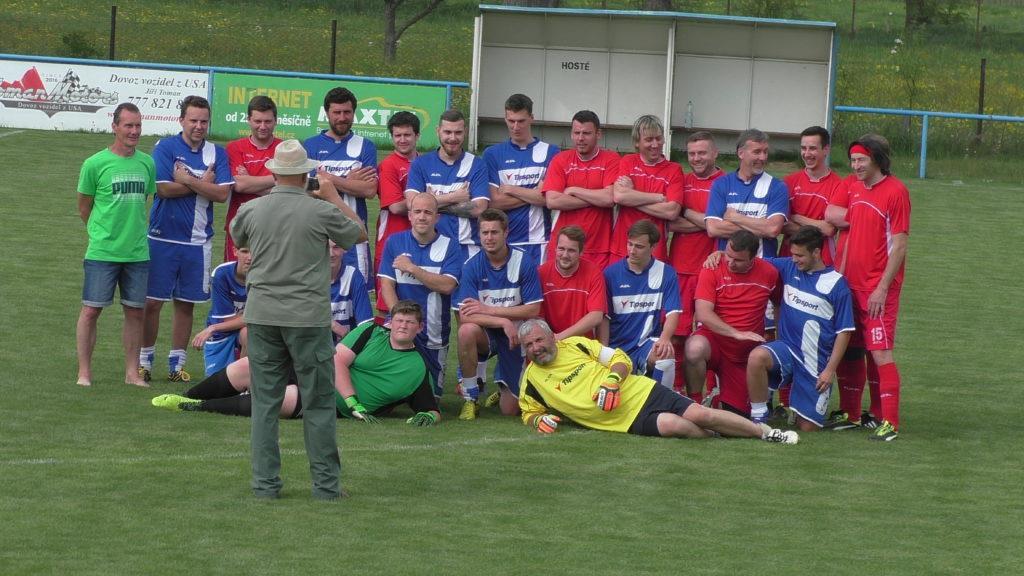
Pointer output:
661, 399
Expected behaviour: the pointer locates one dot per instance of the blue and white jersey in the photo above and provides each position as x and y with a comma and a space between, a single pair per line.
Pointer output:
227, 297
442, 256
636, 302
339, 157
513, 284
507, 163
187, 219
429, 170
762, 197
350, 301
816, 306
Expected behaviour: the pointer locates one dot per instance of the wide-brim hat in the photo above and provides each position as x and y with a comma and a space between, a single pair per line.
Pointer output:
290, 158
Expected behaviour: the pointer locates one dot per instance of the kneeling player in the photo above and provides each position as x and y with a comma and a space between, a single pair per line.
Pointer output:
224, 338
591, 384
815, 323
379, 364
498, 288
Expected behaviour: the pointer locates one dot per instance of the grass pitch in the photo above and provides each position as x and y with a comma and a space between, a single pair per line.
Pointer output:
96, 481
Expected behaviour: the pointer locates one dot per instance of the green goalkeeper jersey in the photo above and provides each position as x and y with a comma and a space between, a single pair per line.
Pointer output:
383, 376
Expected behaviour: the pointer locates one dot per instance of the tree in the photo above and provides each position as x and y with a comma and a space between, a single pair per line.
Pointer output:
392, 32
924, 12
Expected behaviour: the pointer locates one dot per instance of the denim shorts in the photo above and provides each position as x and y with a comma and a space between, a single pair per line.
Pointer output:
102, 277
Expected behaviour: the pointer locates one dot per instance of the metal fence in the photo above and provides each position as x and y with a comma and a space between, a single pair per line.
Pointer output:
925, 115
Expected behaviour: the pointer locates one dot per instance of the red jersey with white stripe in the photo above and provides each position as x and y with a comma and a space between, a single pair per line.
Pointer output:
664, 177
393, 173
688, 250
739, 299
567, 170
875, 215
566, 300
243, 153
809, 198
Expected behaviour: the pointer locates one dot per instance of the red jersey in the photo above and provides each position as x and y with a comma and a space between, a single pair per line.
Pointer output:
809, 198
665, 177
567, 170
688, 250
566, 300
739, 299
875, 215
393, 172
841, 197
243, 152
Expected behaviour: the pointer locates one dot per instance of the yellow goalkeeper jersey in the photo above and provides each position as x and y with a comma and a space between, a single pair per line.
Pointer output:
567, 386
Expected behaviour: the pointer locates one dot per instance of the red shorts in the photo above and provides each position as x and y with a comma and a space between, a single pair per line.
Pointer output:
687, 295
729, 362
875, 333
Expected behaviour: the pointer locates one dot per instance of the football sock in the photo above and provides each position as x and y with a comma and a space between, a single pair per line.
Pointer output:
470, 390
679, 349
240, 405
175, 361
146, 357
216, 385
889, 391
664, 372
876, 398
758, 410
481, 371
697, 397
851, 375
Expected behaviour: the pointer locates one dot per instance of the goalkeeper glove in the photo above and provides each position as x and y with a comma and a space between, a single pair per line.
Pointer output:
607, 396
359, 412
546, 423
423, 419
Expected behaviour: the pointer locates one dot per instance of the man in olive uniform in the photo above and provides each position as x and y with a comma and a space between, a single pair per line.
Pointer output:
289, 314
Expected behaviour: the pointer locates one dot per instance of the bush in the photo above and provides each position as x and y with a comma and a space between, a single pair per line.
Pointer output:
77, 45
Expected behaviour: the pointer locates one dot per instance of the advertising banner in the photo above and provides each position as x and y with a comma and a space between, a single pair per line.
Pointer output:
300, 112
73, 96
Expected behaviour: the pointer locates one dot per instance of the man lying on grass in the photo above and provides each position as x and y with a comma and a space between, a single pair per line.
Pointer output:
381, 365
593, 386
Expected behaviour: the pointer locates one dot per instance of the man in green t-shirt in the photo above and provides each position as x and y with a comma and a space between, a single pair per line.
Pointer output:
376, 369
112, 189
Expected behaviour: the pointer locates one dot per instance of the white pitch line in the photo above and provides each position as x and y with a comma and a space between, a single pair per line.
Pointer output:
12, 133
284, 452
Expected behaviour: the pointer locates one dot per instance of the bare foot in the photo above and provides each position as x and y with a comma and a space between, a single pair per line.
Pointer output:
134, 382
84, 382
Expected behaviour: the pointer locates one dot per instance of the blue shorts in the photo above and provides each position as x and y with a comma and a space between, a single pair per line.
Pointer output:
217, 354
804, 397
510, 360
358, 256
102, 277
640, 354
435, 359
180, 271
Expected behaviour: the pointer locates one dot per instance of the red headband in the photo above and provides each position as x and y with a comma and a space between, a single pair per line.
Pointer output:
859, 149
